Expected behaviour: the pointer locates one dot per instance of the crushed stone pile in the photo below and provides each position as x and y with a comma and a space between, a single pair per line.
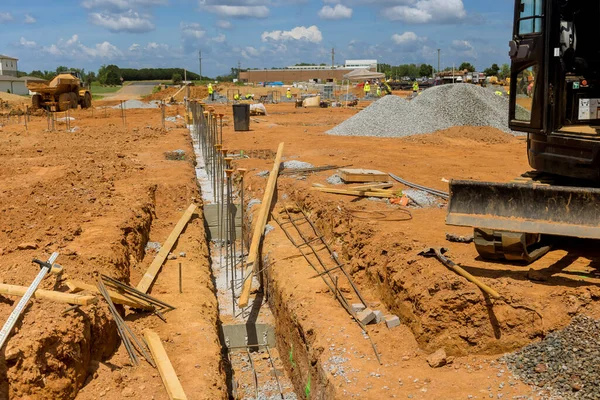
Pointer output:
565, 362
437, 108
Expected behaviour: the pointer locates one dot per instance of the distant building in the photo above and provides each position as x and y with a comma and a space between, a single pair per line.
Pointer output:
302, 73
8, 66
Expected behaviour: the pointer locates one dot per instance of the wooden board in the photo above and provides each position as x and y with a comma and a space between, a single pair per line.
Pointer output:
363, 175
164, 366
77, 286
259, 228
165, 249
59, 297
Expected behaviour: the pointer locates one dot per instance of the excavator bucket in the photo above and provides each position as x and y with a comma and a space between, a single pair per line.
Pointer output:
525, 208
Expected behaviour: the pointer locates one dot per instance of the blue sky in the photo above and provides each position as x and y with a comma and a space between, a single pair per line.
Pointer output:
259, 33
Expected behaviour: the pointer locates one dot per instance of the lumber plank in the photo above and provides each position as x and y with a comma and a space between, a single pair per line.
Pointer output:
150, 275
77, 286
359, 193
372, 186
259, 228
164, 366
362, 175
41, 294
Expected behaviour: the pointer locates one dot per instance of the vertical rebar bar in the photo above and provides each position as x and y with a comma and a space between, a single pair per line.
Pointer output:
180, 288
230, 260
242, 172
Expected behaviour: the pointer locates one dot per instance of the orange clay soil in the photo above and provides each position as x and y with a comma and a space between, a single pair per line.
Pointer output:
438, 308
97, 195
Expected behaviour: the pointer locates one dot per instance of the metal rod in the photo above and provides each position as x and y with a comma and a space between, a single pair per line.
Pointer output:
180, 289
254, 372
275, 372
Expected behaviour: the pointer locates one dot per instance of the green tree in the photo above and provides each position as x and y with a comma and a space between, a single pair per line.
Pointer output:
109, 75
468, 66
492, 71
504, 71
425, 70
176, 78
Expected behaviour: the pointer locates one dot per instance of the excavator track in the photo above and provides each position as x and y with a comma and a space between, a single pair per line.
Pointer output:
514, 220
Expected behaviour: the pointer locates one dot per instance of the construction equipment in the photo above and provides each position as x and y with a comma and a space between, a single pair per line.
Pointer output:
62, 93
555, 99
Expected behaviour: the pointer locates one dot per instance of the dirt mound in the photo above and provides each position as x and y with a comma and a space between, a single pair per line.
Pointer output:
164, 94
14, 99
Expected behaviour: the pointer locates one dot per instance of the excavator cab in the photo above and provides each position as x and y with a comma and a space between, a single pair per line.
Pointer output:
555, 100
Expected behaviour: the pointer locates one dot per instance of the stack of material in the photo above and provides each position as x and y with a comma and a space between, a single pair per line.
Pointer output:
434, 109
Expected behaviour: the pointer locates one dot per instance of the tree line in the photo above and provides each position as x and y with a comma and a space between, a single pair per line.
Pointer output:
113, 75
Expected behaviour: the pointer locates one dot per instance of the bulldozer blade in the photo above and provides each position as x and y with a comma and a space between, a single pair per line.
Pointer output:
527, 208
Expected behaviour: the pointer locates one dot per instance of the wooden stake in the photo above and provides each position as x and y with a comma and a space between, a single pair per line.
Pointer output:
160, 258
259, 228
354, 192
165, 368
41, 294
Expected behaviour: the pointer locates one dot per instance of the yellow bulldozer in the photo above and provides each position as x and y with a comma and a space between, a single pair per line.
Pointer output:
62, 93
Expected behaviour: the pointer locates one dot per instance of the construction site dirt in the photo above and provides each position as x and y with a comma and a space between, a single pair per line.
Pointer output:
100, 194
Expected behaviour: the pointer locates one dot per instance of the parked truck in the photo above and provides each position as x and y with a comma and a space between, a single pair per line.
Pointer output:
63, 92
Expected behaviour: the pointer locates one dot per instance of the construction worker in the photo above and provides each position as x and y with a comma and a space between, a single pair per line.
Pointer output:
288, 94
236, 96
211, 92
367, 88
416, 87
249, 96
378, 91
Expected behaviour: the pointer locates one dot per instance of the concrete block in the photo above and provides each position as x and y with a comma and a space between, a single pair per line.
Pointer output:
378, 316
392, 321
366, 316
357, 307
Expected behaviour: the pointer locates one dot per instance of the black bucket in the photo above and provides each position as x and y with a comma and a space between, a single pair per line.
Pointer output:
241, 117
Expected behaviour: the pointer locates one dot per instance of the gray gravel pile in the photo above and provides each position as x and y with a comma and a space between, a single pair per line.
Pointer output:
566, 362
437, 108
295, 164
335, 179
138, 104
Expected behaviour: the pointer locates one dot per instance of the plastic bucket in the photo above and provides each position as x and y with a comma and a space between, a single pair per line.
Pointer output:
241, 117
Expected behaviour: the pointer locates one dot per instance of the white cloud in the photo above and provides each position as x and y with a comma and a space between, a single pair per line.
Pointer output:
74, 49
28, 44
339, 11
407, 38
464, 48
311, 34
223, 24
192, 31
125, 22
427, 11
220, 38
29, 19
239, 11
122, 5
134, 47
249, 52
5, 17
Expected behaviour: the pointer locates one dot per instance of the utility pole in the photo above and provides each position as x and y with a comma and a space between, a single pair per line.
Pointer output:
200, 61
439, 50
332, 58
239, 69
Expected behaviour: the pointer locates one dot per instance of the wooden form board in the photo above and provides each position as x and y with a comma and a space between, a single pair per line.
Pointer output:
165, 249
363, 175
77, 286
59, 297
259, 228
165, 368
211, 221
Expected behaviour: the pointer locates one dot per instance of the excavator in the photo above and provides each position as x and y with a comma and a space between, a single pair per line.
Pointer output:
555, 100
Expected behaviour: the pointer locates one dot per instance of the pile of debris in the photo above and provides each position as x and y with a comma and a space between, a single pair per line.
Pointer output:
438, 108
565, 362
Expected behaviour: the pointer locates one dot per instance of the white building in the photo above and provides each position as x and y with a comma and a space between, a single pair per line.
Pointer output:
8, 66
349, 65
